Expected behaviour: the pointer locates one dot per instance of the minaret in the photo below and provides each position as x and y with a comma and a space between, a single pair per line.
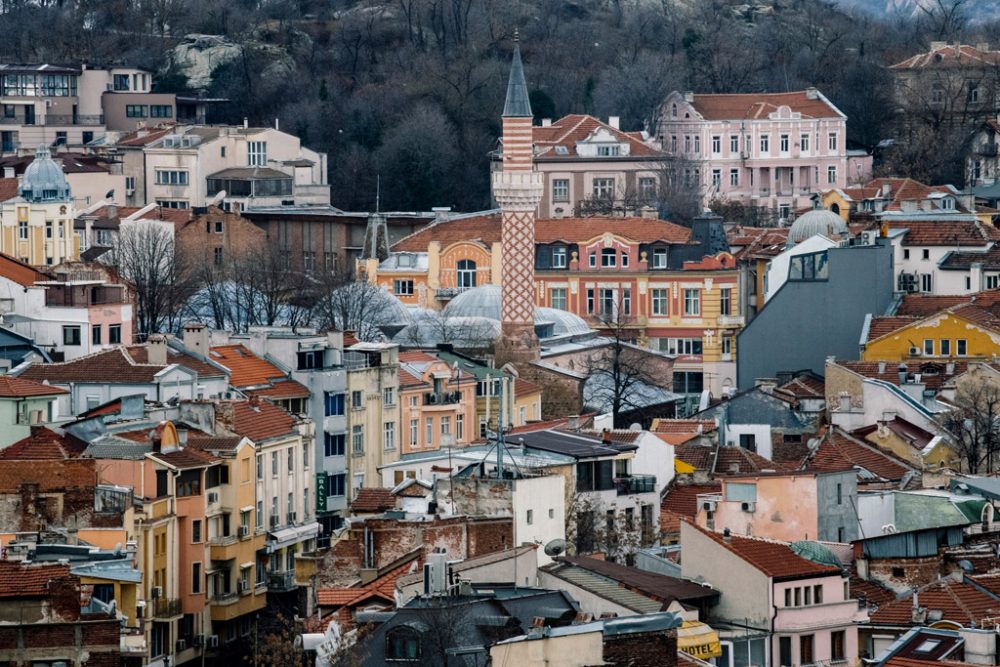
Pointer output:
517, 188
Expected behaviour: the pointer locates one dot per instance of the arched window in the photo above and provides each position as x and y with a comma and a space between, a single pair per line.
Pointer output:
402, 643
835, 208
673, 110
466, 273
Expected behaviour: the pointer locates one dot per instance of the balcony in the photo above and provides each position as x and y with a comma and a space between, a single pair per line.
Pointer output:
796, 619
281, 581
635, 484
83, 120
731, 320
225, 597
449, 293
442, 398
166, 608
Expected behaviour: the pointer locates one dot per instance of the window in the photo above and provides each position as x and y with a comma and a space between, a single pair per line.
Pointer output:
558, 298
716, 144
217, 256
716, 178
161, 111
831, 174
804, 143
748, 441
838, 645
785, 651
414, 431
257, 153
291, 460
114, 334
673, 143
627, 300
559, 257
692, 302
274, 464
806, 654
135, 110
809, 267
926, 282
734, 176
603, 188
783, 143
906, 253
831, 142
333, 404
609, 257
945, 347
71, 335
336, 484
647, 188
196, 577
798, 596
95, 334
530, 517
459, 427
402, 287
788, 597
466, 274
429, 431
925, 253
807, 596
445, 425
765, 143
593, 260
172, 203
171, 177
608, 151
960, 347
402, 643
22, 230
697, 144
973, 92
196, 531
734, 143
357, 400
607, 301
590, 301
937, 94
48, 229
659, 296
929, 347
121, 82
686, 346
818, 594
725, 301
560, 189
659, 258
389, 436
358, 439
389, 396
840, 493
260, 466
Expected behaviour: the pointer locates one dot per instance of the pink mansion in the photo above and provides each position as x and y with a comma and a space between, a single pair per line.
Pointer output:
771, 150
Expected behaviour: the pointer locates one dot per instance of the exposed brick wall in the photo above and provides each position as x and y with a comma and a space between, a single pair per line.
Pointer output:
561, 395
490, 535
197, 240
94, 644
651, 649
916, 571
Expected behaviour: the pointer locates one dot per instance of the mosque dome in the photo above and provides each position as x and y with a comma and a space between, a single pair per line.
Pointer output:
816, 552
44, 180
564, 323
482, 301
817, 221
460, 331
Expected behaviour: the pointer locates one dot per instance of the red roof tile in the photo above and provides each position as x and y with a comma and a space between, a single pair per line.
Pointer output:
740, 461
22, 273
246, 368
114, 366
740, 107
189, 457
700, 457
140, 354
681, 501
261, 420
30, 581
950, 56
282, 390
383, 587
885, 325
44, 443
870, 591
373, 500
958, 602
15, 387
524, 388
838, 451
569, 130
934, 375
774, 559
942, 232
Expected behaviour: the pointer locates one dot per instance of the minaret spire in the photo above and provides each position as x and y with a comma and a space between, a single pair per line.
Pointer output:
517, 105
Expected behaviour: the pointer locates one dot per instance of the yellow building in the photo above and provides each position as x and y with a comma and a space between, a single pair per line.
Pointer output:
37, 226
373, 414
962, 332
912, 444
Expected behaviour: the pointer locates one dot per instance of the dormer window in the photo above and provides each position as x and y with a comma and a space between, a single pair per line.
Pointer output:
559, 257
948, 203
612, 150
402, 643
673, 110
659, 258
609, 258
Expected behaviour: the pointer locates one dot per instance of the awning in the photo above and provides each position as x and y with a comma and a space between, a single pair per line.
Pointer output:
246, 566
279, 539
699, 640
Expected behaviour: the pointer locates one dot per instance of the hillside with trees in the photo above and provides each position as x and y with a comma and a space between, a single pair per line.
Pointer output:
411, 90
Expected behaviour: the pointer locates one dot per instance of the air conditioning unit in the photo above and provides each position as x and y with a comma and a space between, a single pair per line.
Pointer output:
157, 592
244, 531
212, 641
181, 645
748, 507
708, 505
213, 497
915, 351
868, 237
199, 640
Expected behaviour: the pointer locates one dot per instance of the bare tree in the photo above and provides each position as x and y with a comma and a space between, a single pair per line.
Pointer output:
974, 423
145, 255
592, 527
346, 304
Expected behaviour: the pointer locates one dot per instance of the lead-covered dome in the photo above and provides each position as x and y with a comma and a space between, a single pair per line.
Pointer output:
564, 323
817, 221
482, 301
44, 180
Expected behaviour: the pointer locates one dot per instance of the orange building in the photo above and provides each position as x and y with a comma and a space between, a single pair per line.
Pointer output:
437, 401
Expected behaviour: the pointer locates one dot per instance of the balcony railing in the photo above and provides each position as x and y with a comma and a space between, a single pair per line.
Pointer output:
166, 607
448, 293
730, 320
226, 597
281, 581
635, 484
64, 119
442, 397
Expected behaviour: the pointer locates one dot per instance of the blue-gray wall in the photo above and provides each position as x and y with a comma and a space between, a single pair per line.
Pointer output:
834, 515
806, 322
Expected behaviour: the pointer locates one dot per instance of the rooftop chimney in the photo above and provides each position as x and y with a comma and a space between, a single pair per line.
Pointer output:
546, 122
573, 422
156, 350
726, 536
938, 45
615, 122
881, 367
606, 436
902, 373
812, 93
196, 337
688, 96
246, 122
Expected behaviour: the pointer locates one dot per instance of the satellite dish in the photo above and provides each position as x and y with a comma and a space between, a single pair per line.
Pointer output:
555, 547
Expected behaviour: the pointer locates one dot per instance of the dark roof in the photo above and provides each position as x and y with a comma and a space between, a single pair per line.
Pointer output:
957, 601
189, 457
113, 366
651, 584
251, 174
754, 406
30, 581
558, 442
517, 104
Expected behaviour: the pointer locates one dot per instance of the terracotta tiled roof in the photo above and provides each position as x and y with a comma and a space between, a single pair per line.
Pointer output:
965, 259
416, 356
44, 443
745, 106
569, 130
838, 451
698, 456
900, 661
804, 386
885, 325
114, 366
942, 232
870, 591
409, 378
486, 229
140, 353
373, 500
524, 388
774, 559
189, 457
20, 272
15, 387
950, 56
740, 461
282, 390
933, 375
261, 421
31, 581
8, 188
922, 305
210, 443
246, 368
681, 501
144, 137
959, 602
383, 587
679, 431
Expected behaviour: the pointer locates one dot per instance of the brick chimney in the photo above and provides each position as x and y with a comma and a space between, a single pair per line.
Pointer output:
156, 350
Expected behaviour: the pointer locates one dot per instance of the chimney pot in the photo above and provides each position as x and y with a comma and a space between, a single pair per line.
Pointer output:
615, 122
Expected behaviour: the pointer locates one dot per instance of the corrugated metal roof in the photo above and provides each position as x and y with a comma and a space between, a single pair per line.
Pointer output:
607, 589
